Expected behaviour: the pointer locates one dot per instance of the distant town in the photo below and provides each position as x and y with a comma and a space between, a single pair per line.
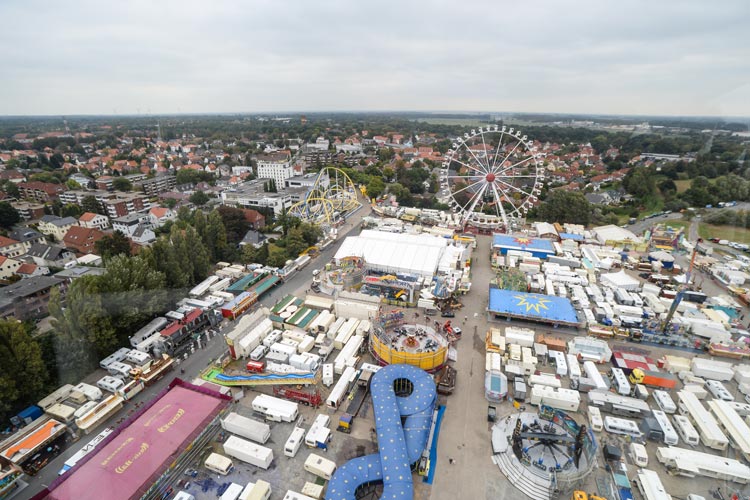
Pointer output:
345, 260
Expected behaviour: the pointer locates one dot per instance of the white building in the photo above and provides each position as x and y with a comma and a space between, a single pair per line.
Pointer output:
277, 166
136, 227
56, 227
93, 221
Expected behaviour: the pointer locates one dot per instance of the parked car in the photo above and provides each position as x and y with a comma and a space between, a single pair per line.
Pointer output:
645, 276
457, 331
448, 313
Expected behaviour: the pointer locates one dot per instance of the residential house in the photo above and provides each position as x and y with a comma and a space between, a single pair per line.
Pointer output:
158, 216
27, 299
28, 270
8, 267
10, 247
253, 238
12, 175
256, 219
92, 220
83, 180
82, 240
136, 227
41, 192
26, 236
46, 255
55, 226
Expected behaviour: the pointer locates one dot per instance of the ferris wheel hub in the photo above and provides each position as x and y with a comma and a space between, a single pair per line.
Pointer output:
490, 177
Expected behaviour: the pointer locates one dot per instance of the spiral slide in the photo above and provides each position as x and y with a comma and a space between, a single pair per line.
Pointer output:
400, 445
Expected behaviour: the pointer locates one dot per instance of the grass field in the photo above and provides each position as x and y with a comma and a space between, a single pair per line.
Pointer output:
731, 233
682, 186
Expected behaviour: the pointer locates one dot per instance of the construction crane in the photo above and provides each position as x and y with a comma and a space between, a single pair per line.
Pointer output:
682, 290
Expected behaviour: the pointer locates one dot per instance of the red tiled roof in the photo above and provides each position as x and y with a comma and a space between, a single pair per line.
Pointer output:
87, 217
5, 242
158, 212
26, 268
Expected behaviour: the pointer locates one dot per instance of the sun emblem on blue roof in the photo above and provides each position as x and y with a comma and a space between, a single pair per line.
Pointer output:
532, 303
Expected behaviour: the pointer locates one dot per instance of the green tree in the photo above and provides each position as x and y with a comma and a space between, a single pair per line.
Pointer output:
11, 189
199, 198
295, 242
122, 184
565, 206
277, 256
375, 187
169, 203
8, 215
116, 244
235, 224
84, 332
23, 374
216, 240
89, 204
71, 184
71, 210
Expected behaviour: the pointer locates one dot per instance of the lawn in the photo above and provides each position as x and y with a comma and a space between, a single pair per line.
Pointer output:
682, 186
731, 233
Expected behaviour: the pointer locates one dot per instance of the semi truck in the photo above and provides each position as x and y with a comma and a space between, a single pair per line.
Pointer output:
313, 399
653, 379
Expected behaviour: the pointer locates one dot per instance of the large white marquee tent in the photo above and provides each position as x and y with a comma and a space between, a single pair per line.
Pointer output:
417, 254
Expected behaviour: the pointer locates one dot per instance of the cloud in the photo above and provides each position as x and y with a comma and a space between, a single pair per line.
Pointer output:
171, 56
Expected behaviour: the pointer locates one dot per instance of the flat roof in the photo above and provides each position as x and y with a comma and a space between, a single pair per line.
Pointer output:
129, 463
533, 306
522, 243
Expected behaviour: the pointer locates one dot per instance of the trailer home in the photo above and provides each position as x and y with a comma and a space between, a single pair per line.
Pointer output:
294, 442
623, 426
275, 409
321, 467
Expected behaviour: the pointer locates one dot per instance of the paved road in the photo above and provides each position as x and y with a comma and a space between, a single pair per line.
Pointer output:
203, 357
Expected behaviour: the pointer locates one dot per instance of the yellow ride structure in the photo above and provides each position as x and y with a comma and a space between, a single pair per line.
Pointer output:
331, 197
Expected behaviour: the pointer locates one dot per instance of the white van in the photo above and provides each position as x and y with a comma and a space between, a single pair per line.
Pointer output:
638, 454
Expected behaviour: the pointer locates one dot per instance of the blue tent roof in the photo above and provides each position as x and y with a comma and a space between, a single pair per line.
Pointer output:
571, 236
522, 243
547, 308
399, 445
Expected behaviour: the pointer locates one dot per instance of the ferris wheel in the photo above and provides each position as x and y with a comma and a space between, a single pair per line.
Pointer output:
491, 176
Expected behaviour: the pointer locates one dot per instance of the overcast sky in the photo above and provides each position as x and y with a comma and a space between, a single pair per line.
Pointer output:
155, 56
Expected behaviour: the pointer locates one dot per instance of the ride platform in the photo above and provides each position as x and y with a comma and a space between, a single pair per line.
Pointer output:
217, 376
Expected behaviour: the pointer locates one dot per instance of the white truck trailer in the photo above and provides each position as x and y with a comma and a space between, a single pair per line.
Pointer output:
249, 452
246, 428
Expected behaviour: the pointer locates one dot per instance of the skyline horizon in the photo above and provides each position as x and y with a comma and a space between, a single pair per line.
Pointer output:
303, 112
